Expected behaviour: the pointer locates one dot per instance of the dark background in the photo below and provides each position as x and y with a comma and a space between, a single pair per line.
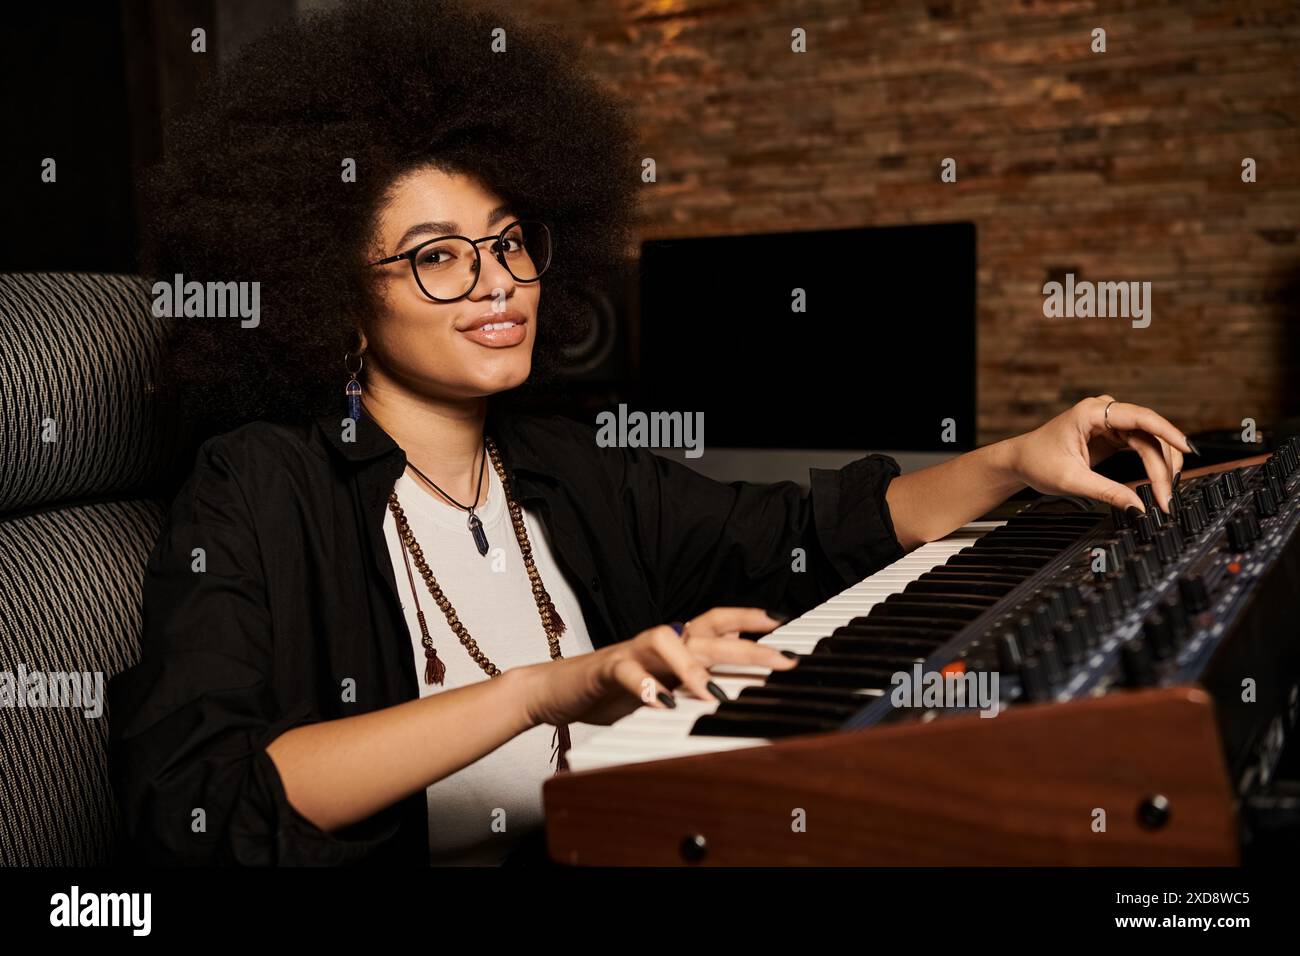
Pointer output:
1116, 166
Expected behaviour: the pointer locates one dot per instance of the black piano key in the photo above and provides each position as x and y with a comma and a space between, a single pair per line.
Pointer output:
760, 725
1037, 531
984, 567
931, 609
897, 645
941, 599
1029, 542
1084, 519
967, 586
944, 625
944, 573
1045, 531
996, 550
823, 709
808, 673
995, 560
883, 659
832, 695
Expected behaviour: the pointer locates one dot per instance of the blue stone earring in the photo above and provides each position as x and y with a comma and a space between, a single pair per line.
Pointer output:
353, 389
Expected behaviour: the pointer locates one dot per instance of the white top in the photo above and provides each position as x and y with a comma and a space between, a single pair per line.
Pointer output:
479, 814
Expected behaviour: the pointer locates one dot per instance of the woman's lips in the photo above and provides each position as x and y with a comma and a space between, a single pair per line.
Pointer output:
499, 334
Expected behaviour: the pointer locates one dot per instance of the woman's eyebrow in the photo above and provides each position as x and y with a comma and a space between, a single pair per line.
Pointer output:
441, 227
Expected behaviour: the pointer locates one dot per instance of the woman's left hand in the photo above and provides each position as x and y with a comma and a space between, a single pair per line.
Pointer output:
1057, 458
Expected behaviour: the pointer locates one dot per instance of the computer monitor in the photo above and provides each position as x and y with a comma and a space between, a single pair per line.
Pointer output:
881, 357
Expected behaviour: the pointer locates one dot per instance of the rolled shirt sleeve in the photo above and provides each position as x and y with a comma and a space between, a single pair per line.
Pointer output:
189, 725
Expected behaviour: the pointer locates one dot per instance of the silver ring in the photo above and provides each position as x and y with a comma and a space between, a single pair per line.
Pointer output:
1105, 415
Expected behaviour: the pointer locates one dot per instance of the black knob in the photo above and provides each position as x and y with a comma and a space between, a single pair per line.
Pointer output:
1148, 496
1265, 503
1176, 501
1159, 635
1114, 556
1214, 499
1072, 596
1146, 528
1033, 682
1054, 666
1010, 659
1139, 572
1166, 546
1135, 663
1071, 644
1195, 596
1173, 608
1285, 458
1060, 609
1151, 560
1028, 635
1044, 620
1085, 626
1098, 615
1114, 607
1239, 538
1124, 589
1176, 535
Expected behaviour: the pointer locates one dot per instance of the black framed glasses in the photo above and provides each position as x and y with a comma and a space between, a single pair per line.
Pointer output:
447, 268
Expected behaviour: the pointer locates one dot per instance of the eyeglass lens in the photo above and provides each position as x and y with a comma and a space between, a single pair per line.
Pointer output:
445, 268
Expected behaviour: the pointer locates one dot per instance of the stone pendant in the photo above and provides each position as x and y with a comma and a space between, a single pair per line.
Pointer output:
476, 529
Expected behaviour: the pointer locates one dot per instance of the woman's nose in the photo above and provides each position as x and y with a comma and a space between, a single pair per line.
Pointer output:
493, 274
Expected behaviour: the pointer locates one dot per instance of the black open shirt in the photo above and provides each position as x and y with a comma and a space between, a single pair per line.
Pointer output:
299, 595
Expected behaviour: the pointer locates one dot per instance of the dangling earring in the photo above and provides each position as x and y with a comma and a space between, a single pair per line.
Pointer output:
353, 389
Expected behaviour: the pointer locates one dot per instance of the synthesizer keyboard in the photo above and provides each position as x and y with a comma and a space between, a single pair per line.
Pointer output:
1066, 613
650, 734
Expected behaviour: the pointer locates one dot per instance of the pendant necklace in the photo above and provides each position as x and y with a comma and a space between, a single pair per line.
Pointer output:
475, 525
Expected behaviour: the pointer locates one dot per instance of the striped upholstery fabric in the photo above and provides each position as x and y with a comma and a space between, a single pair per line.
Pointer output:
82, 449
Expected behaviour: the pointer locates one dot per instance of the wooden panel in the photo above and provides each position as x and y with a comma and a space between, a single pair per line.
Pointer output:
1020, 789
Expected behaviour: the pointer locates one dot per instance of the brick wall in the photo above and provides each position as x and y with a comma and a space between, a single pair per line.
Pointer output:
1124, 165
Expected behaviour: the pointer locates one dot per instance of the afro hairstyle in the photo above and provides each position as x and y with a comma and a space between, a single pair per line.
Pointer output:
251, 187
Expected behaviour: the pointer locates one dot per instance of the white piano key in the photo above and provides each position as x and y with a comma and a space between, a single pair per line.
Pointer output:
650, 733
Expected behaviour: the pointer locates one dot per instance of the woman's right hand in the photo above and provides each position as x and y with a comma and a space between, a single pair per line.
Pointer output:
601, 687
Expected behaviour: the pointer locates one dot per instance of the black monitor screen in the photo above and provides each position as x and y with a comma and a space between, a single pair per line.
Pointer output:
881, 357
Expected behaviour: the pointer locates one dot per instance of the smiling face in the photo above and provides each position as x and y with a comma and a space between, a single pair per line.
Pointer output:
468, 349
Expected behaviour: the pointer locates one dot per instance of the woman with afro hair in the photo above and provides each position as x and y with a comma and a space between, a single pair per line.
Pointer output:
386, 603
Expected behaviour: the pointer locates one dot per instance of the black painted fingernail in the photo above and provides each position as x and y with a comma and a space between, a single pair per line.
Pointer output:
790, 654
666, 699
1193, 448
1177, 478
716, 691
1132, 511
778, 616
678, 627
